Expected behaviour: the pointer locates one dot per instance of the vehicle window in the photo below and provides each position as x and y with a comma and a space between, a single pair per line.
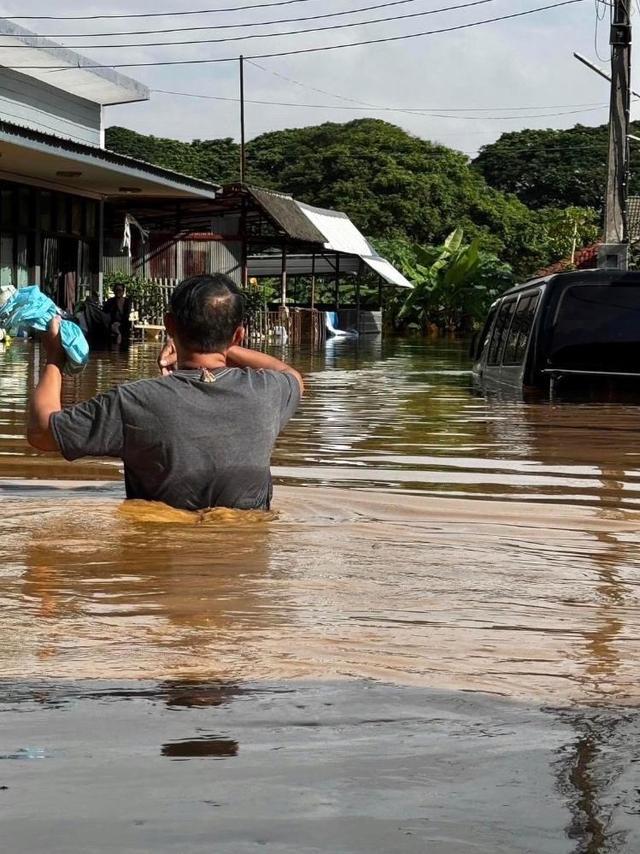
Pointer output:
483, 338
500, 331
516, 344
597, 327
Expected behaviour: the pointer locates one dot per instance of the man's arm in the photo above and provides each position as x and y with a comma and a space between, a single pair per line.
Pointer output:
242, 357
46, 398
237, 357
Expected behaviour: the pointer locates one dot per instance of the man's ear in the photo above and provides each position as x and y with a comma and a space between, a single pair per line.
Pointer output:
238, 337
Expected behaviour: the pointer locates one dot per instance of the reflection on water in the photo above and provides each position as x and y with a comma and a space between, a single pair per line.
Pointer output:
207, 747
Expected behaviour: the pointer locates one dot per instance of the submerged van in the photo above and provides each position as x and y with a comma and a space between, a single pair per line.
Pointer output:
578, 329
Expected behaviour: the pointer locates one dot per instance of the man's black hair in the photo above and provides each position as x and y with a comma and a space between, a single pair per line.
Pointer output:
207, 311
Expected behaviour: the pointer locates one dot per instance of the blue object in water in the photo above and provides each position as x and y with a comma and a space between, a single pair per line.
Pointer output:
32, 310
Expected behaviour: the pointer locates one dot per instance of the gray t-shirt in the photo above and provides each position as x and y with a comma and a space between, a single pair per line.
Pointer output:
194, 439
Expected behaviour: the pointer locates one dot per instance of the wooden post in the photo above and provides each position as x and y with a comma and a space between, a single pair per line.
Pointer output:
283, 281
243, 149
358, 278
243, 241
37, 249
101, 251
313, 281
337, 289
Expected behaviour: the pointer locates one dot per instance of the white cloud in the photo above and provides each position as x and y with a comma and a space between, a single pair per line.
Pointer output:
524, 62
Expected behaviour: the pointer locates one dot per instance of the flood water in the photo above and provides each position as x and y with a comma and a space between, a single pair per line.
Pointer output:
431, 643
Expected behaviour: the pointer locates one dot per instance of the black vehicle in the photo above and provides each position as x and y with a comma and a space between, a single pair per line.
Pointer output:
576, 330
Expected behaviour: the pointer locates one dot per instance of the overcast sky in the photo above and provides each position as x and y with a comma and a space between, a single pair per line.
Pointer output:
518, 63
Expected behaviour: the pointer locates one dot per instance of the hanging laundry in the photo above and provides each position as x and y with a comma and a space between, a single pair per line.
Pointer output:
130, 220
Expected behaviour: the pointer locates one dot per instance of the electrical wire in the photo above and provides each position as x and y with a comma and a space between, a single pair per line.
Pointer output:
171, 30
427, 112
225, 39
303, 51
277, 74
180, 13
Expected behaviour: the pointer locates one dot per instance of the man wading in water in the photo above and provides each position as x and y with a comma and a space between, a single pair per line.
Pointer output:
201, 435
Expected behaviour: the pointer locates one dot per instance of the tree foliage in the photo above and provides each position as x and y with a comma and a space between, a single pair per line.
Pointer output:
454, 283
553, 168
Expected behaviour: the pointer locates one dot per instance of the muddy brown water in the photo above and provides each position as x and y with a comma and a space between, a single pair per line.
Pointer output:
431, 643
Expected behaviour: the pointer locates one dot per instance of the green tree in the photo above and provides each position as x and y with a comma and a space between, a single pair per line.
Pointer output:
454, 283
215, 160
569, 229
553, 168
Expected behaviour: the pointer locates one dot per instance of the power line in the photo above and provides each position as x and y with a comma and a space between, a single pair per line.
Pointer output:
154, 14
301, 51
171, 30
364, 105
427, 112
224, 39
411, 109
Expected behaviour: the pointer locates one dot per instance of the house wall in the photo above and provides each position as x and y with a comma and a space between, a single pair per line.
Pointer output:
30, 103
168, 259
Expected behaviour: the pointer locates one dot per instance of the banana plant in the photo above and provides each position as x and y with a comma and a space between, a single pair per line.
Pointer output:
452, 283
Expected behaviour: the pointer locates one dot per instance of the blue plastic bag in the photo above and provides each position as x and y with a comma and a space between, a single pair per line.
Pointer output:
30, 309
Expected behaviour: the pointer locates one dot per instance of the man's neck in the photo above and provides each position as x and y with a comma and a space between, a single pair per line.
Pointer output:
194, 361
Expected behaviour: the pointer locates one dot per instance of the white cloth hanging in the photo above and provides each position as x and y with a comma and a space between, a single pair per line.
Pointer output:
130, 220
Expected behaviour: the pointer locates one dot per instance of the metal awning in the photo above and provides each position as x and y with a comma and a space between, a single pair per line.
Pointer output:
343, 237
285, 212
49, 62
85, 169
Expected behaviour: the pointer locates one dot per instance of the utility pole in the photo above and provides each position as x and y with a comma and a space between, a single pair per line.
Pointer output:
243, 152
615, 252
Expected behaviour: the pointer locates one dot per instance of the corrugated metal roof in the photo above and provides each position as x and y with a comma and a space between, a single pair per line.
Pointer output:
284, 210
129, 167
633, 219
385, 269
342, 236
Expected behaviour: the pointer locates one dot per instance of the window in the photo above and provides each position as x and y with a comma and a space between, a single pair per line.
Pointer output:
480, 343
22, 261
500, 331
6, 209
91, 219
25, 208
77, 215
46, 205
6, 260
62, 218
597, 328
521, 324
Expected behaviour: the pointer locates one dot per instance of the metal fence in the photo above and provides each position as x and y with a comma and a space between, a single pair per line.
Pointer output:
297, 327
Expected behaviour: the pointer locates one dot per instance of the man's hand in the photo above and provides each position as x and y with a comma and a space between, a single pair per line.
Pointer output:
168, 358
52, 344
